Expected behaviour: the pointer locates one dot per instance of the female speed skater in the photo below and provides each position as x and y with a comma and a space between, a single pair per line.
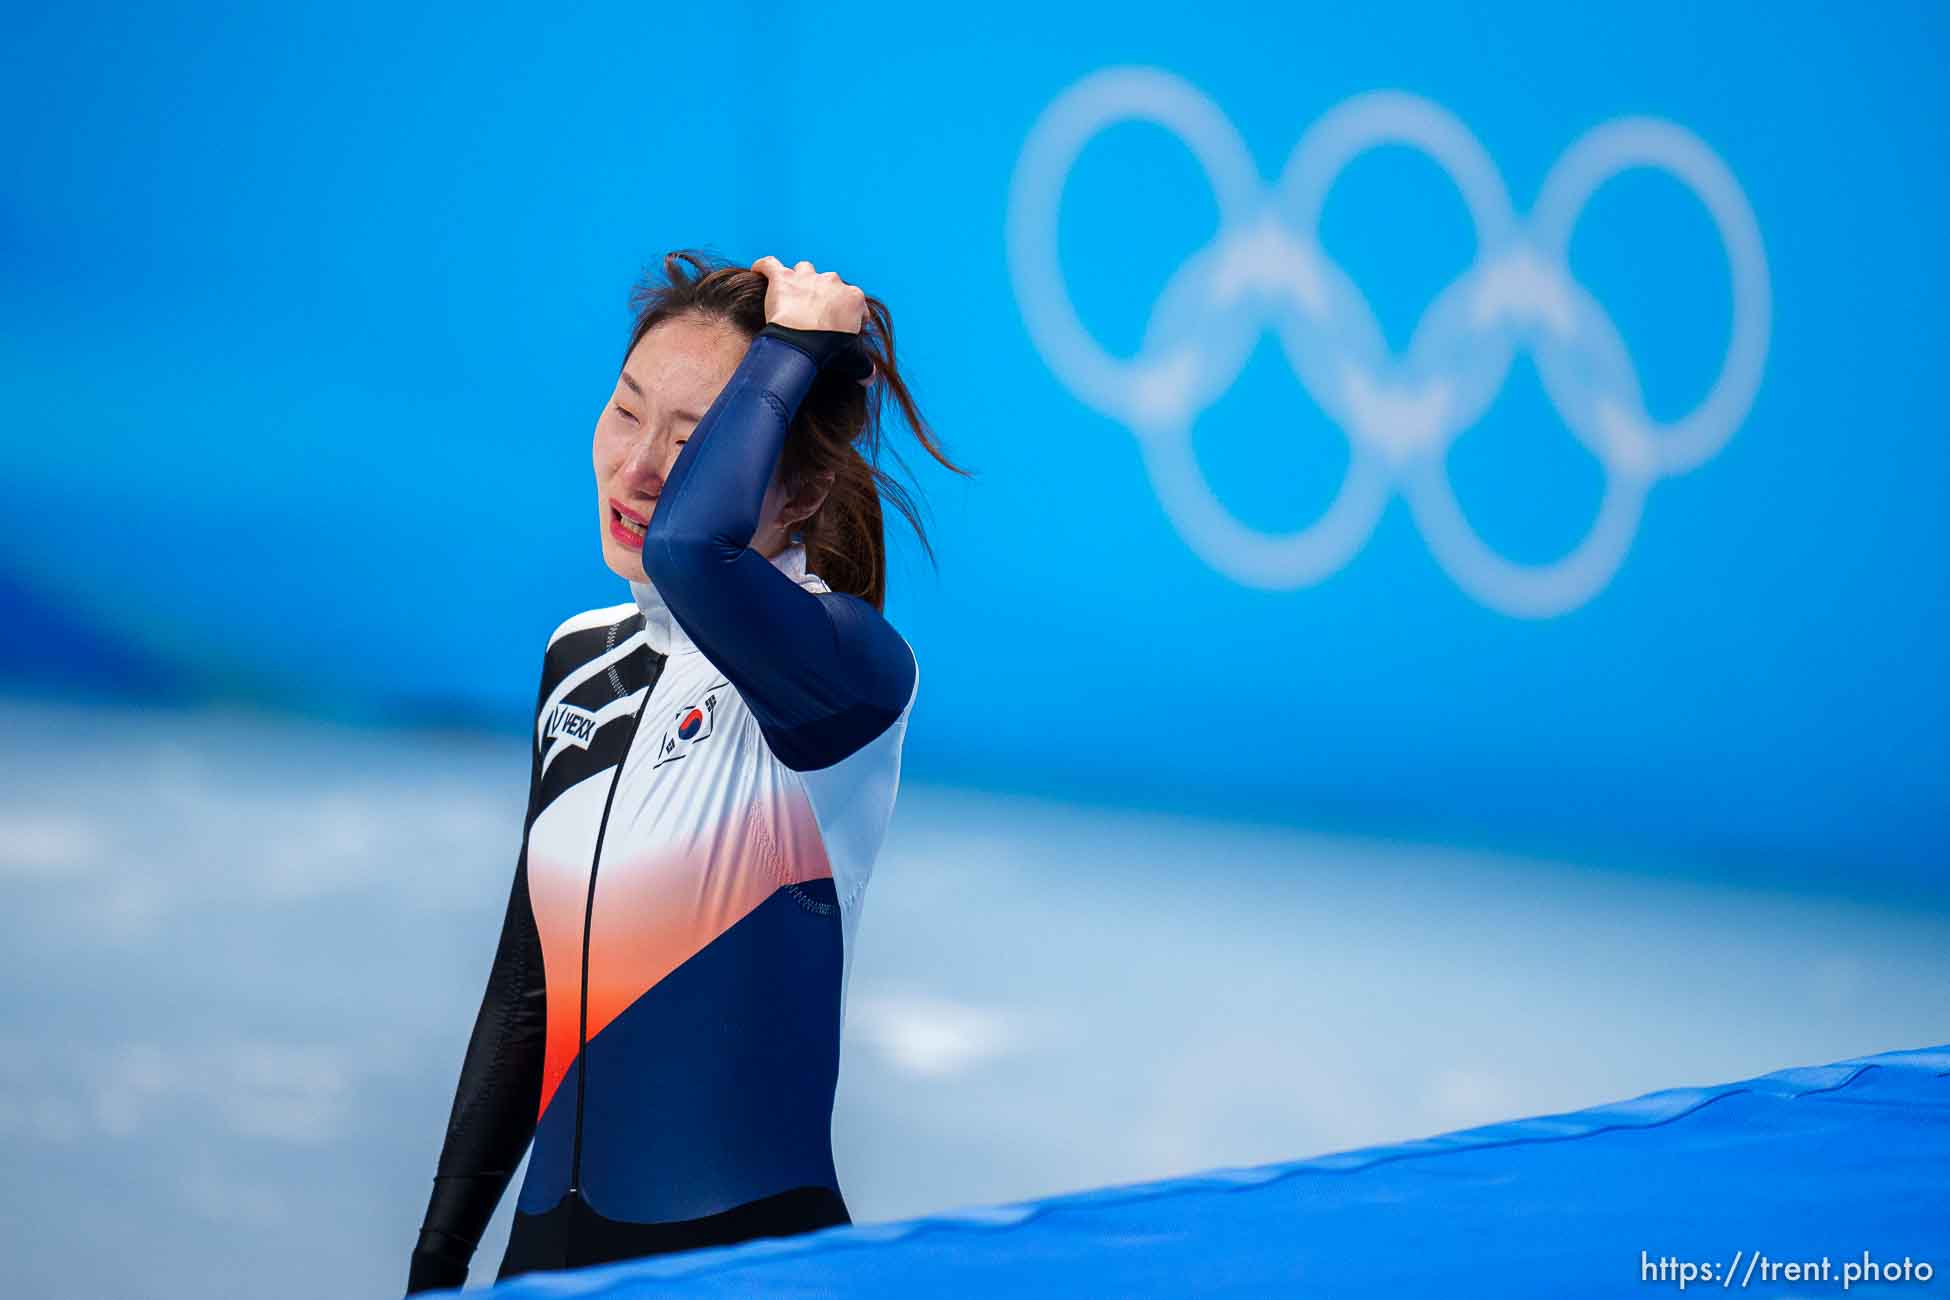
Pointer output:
714, 763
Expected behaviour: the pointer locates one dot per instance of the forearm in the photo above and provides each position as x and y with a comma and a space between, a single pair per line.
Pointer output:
709, 508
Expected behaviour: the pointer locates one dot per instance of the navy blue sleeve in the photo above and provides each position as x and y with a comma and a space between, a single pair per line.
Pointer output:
823, 673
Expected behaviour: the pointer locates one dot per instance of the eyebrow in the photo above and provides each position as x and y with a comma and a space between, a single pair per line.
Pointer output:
637, 388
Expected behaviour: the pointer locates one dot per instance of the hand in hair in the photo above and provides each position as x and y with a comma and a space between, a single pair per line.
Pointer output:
805, 299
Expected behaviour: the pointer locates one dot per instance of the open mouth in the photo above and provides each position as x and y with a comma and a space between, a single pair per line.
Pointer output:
625, 527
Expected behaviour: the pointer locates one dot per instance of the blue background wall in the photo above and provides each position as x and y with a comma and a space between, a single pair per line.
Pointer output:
307, 316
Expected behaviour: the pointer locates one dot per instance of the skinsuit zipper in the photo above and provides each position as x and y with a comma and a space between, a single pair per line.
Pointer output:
588, 919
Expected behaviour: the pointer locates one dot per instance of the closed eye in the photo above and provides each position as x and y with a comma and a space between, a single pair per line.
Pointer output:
627, 414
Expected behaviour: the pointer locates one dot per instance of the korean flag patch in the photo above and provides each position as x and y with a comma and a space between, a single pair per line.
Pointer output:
690, 725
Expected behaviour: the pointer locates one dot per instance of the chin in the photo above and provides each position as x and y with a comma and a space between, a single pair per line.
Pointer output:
625, 565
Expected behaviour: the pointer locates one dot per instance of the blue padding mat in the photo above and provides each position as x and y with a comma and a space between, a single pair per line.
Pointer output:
1847, 1162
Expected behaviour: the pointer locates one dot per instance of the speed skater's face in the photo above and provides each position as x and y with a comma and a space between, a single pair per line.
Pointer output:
670, 379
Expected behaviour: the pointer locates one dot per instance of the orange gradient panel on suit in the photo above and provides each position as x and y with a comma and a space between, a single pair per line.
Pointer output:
559, 894
653, 914
656, 910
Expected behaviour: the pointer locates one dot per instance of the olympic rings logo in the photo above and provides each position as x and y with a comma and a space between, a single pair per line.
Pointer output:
1266, 269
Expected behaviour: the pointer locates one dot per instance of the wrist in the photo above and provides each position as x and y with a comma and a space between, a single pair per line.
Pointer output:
439, 1262
842, 350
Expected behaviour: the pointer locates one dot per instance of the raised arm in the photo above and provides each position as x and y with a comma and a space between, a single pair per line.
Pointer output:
823, 673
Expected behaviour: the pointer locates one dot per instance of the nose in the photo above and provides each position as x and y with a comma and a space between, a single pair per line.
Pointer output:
644, 470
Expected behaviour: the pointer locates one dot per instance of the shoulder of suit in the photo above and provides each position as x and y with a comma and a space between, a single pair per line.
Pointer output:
590, 618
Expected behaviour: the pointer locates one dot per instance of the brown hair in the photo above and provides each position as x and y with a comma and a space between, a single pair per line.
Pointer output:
837, 428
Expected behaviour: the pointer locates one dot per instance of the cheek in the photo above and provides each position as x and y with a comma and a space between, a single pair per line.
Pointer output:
608, 451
